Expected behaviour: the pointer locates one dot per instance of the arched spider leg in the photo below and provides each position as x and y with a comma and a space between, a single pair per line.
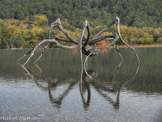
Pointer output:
108, 37
85, 64
85, 42
49, 41
58, 24
98, 49
55, 23
105, 29
117, 21
86, 26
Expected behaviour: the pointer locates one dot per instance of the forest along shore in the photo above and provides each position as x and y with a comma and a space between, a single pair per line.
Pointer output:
29, 32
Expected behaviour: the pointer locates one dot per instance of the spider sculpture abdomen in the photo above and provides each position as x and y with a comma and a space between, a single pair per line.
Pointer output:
86, 50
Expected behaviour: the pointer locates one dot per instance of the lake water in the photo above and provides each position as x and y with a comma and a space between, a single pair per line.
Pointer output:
53, 91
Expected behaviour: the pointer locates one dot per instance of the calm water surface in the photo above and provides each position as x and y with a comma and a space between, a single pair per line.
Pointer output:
53, 90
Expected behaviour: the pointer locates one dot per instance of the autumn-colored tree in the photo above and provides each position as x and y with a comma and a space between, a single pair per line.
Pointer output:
31, 30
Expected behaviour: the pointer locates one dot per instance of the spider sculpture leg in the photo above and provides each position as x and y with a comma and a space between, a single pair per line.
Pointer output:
41, 53
49, 41
49, 36
94, 50
117, 22
83, 42
58, 24
85, 65
55, 23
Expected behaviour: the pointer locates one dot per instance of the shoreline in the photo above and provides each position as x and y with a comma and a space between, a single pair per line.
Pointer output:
139, 46
119, 46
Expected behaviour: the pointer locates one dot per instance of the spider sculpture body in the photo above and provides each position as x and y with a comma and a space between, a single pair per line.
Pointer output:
86, 44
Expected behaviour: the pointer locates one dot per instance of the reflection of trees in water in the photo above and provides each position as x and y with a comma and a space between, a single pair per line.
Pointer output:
84, 86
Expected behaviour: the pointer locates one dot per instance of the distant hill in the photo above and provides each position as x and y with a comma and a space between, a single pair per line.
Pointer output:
138, 13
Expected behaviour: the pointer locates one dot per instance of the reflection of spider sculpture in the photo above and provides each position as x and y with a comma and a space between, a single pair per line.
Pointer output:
84, 87
86, 44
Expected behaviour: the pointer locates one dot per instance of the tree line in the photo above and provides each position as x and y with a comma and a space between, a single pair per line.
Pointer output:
31, 30
136, 13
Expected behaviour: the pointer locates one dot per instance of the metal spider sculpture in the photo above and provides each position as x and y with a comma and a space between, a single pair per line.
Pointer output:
85, 44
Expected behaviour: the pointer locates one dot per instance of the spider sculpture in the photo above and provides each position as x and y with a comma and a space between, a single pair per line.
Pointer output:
86, 44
